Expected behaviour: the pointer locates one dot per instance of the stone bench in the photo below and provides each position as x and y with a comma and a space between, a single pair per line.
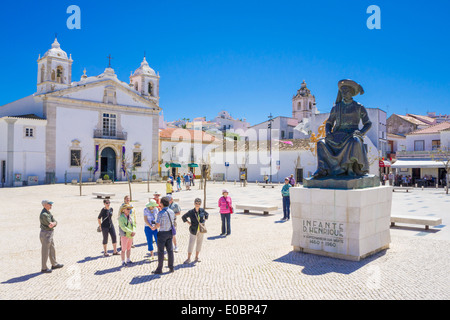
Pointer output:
101, 195
423, 220
250, 207
268, 185
402, 188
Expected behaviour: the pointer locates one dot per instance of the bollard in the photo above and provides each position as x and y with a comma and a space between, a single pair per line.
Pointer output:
422, 188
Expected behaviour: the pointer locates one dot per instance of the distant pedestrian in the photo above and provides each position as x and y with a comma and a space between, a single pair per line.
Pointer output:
292, 180
177, 210
196, 216
187, 182
286, 199
178, 182
192, 179
127, 230
157, 199
106, 225
226, 209
169, 187
164, 222
48, 224
151, 232
391, 178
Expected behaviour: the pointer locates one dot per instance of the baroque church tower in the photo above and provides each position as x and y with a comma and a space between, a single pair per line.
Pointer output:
145, 82
54, 70
303, 103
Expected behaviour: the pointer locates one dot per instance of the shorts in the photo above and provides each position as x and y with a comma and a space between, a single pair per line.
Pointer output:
126, 243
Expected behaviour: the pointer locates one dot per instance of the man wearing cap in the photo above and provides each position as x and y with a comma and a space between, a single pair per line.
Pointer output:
342, 152
48, 223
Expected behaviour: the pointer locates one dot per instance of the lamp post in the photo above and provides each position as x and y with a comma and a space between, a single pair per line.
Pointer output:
269, 125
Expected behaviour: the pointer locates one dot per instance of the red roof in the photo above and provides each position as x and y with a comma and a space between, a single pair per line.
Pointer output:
177, 134
433, 129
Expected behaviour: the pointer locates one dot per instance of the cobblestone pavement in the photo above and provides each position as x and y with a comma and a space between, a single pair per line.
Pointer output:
255, 262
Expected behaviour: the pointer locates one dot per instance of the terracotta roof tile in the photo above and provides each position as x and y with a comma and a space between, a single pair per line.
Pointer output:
436, 128
180, 134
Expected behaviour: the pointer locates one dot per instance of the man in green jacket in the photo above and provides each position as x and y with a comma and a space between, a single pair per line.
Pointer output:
48, 223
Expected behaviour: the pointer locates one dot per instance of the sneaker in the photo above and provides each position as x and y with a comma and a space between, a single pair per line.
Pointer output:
187, 261
175, 249
124, 264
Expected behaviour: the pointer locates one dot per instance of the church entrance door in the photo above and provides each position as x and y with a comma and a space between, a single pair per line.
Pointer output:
108, 163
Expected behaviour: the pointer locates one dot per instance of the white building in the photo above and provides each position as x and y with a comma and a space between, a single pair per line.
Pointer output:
98, 122
184, 150
226, 122
421, 157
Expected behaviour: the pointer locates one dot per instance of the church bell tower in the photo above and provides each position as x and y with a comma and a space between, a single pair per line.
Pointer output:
303, 103
54, 70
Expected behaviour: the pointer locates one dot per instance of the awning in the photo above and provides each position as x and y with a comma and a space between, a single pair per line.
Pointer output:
173, 165
193, 165
384, 163
418, 164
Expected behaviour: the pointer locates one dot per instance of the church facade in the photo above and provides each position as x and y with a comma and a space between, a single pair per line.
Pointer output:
98, 122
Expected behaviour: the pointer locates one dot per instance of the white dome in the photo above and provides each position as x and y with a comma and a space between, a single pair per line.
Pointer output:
56, 51
144, 69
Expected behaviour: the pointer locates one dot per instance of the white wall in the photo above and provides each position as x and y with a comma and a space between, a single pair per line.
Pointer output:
28, 154
74, 124
427, 138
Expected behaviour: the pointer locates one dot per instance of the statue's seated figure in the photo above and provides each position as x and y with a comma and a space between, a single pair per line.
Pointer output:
342, 151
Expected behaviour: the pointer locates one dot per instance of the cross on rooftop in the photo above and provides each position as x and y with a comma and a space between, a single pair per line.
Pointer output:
109, 58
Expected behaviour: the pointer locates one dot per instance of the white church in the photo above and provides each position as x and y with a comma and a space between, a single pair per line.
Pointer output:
98, 121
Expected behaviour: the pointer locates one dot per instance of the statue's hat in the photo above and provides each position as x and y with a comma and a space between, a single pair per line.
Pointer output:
356, 87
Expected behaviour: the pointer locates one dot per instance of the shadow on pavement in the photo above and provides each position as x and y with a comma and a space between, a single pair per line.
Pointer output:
315, 265
22, 278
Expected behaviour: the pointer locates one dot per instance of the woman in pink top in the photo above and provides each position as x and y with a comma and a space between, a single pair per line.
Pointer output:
226, 209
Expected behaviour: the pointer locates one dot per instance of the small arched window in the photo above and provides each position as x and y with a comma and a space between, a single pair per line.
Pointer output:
150, 89
310, 105
42, 73
59, 74
299, 106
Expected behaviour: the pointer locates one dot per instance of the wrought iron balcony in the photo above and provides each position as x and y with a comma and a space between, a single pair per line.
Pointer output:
118, 135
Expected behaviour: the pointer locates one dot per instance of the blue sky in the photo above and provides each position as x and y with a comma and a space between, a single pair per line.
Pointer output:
246, 57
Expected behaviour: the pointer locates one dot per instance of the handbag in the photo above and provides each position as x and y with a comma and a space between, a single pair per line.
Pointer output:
201, 226
231, 208
174, 231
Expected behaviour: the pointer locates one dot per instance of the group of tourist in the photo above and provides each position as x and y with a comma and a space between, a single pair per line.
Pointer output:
160, 227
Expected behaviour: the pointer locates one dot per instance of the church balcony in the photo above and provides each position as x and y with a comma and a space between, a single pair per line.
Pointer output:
118, 135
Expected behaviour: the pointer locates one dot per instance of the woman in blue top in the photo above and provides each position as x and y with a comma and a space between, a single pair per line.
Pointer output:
286, 199
150, 213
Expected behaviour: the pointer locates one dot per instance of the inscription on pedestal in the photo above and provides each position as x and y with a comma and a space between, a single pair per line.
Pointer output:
326, 235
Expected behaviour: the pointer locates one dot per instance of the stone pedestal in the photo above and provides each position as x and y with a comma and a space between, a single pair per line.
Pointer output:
345, 224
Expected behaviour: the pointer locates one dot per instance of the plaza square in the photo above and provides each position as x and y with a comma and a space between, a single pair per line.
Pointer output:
256, 261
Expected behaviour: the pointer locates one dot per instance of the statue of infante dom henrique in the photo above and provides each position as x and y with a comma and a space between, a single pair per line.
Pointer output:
342, 151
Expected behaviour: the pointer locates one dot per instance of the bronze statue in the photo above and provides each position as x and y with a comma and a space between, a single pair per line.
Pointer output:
342, 152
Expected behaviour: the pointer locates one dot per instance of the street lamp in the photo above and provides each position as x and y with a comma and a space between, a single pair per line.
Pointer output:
269, 125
